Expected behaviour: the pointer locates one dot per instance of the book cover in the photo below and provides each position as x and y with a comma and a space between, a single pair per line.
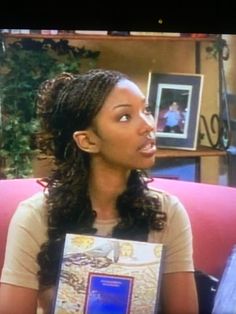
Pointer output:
108, 276
167, 34
91, 32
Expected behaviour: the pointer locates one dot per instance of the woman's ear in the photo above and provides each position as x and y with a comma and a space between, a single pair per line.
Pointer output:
86, 140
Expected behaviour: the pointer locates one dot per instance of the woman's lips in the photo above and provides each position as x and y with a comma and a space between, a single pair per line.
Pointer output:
148, 148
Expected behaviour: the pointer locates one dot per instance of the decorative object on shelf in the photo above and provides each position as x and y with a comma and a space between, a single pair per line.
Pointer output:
219, 123
199, 35
175, 100
49, 31
167, 34
225, 125
218, 48
221, 128
119, 33
90, 32
214, 128
25, 63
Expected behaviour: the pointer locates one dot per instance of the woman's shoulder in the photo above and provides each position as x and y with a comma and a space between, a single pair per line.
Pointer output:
169, 203
177, 217
35, 199
163, 195
32, 210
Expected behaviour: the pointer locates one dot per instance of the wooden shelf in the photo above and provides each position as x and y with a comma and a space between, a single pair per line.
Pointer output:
201, 151
72, 36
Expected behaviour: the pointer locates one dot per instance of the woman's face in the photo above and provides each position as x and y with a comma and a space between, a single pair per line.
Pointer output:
125, 128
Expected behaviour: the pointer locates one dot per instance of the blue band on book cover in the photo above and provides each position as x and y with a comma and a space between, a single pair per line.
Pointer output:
108, 294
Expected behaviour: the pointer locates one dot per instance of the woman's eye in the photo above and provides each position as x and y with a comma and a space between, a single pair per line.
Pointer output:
125, 117
148, 110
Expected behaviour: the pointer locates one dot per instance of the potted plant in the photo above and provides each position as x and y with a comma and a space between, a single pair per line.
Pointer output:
26, 63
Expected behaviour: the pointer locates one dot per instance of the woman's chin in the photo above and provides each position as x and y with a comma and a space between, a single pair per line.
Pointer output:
147, 164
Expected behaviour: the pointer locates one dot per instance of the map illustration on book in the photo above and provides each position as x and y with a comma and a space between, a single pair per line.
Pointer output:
108, 276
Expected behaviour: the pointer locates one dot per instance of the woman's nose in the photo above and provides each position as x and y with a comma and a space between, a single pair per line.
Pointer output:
147, 123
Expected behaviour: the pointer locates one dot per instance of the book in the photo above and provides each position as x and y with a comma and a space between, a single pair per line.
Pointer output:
91, 32
225, 299
167, 34
108, 276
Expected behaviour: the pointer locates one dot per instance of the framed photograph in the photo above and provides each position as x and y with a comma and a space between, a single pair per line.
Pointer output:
175, 100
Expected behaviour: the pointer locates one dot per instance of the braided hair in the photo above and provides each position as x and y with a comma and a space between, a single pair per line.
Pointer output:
66, 104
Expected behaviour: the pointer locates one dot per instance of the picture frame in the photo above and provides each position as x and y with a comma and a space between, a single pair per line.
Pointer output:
175, 101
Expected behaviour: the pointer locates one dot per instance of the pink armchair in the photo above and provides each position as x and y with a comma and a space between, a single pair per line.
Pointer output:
11, 193
211, 208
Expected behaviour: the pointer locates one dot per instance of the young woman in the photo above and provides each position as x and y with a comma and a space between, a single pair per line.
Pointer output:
101, 133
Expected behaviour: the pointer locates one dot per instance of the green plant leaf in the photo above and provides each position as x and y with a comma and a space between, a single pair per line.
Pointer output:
25, 64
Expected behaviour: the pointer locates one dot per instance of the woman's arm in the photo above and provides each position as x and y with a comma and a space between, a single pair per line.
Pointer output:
17, 300
179, 293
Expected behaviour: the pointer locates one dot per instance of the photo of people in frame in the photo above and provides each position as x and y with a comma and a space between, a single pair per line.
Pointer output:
175, 101
172, 110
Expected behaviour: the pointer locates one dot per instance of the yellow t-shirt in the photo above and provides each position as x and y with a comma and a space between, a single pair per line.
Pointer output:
28, 230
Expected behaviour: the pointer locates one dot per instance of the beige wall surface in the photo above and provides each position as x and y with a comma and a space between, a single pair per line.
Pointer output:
137, 58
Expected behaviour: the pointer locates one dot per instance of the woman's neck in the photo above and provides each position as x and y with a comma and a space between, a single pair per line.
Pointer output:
104, 188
